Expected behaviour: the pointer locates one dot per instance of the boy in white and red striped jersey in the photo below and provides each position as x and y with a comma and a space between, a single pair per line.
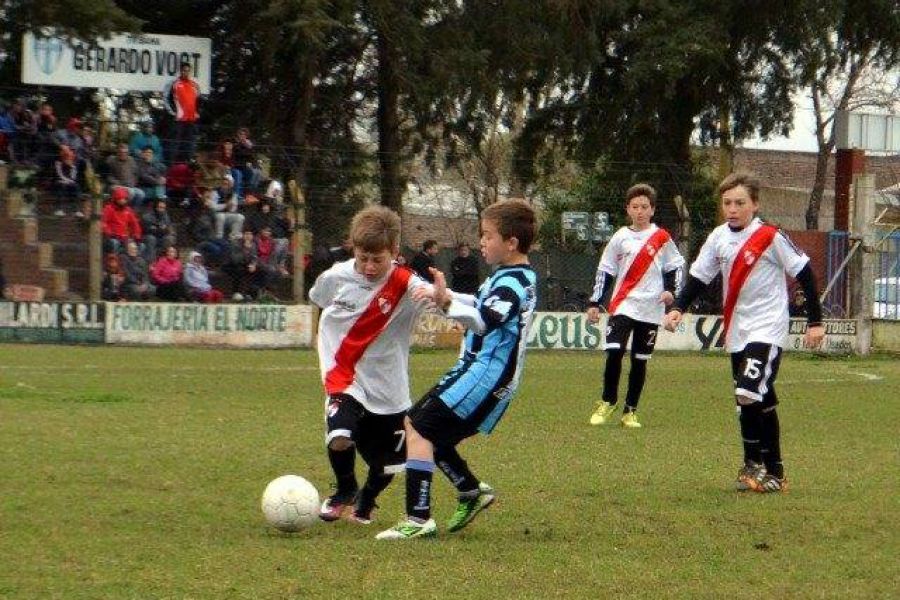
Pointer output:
636, 279
753, 257
368, 316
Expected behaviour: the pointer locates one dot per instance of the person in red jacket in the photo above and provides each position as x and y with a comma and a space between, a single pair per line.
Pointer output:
119, 223
182, 97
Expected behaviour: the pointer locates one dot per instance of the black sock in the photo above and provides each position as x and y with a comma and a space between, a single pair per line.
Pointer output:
418, 488
636, 378
343, 464
770, 442
456, 469
751, 431
611, 374
375, 483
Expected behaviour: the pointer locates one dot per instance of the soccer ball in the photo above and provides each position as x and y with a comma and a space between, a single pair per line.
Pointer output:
290, 503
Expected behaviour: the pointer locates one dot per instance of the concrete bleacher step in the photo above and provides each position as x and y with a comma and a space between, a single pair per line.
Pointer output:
79, 280
62, 229
70, 255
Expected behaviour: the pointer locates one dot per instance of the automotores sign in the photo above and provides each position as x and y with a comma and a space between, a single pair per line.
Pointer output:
242, 325
75, 322
139, 62
571, 331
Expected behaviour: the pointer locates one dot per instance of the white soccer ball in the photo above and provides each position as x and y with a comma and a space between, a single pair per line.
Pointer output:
290, 503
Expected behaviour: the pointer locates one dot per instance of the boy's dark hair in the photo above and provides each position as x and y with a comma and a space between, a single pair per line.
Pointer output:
513, 218
641, 189
374, 229
745, 178
428, 245
184, 64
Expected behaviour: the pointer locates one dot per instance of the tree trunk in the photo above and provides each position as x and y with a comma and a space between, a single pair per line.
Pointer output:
389, 136
818, 189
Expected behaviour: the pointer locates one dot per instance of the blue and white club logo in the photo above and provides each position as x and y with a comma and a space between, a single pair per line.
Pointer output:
47, 53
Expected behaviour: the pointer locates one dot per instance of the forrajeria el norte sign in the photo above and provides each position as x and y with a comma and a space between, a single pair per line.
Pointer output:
137, 62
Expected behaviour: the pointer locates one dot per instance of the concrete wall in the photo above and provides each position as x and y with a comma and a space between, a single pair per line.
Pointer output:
886, 336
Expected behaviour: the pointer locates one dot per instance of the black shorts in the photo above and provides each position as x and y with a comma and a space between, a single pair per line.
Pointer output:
380, 439
754, 370
437, 423
619, 327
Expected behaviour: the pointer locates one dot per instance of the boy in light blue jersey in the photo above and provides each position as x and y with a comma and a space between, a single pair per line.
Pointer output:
476, 392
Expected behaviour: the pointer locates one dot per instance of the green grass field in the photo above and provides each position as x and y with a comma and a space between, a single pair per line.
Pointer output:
137, 473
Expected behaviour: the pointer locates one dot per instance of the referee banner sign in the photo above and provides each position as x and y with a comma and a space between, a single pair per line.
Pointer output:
136, 62
571, 331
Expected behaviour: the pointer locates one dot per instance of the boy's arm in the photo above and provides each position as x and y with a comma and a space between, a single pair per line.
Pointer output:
501, 304
607, 270
322, 291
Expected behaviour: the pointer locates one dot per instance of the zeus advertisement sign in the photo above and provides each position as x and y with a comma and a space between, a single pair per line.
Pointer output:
135, 62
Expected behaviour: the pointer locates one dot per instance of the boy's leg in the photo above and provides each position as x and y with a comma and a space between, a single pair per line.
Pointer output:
618, 329
343, 414
642, 345
770, 440
473, 495
381, 442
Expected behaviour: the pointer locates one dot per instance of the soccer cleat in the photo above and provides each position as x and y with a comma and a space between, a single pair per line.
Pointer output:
362, 512
602, 413
469, 507
749, 476
333, 506
769, 484
630, 420
408, 529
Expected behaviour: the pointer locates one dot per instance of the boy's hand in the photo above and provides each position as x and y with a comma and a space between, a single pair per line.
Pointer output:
814, 336
667, 298
593, 314
672, 319
440, 295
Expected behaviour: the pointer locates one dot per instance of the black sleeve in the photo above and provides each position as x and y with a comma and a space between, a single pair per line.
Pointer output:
670, 281
807, 281
602, 290
693, 287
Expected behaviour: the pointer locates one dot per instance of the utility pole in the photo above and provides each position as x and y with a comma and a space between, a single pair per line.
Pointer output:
298, 239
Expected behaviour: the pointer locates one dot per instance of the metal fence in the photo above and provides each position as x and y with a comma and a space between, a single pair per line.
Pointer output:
886, 295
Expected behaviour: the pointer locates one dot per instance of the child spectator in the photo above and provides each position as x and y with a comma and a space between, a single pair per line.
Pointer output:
166, 273
475, 393
65, 180
137, 275
157, 229
196, 281
368, 315
636, 280
151, 175
113, 279
753, 258
118, 222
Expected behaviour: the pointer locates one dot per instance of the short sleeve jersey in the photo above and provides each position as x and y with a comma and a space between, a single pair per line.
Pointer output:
761, 310
642, 302
360, 353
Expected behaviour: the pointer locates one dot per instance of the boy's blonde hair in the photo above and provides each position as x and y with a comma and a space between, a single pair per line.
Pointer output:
641, 189
513, 218
374, 229
745, 178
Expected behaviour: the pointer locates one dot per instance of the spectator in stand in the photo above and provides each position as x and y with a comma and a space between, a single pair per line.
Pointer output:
181, 181
424, 260
196, 281
137, 275
89, 146
248, 276
145, 137
272, 252
65, 181
182, 97
159, 233
123, 172
226, 159
113, 278
7, 133
245, 160
279, 229
118, 222
71, 137
229, 221
46, 145
464, 271
24, 140
797, 305
166, 273
275, 194
203, 230
151, 175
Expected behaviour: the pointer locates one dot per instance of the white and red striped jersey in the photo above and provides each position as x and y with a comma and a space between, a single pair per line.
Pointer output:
364, 334
760, 309
642, 284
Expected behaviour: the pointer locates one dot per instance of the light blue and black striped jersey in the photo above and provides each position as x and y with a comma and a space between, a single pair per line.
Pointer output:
483, 381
